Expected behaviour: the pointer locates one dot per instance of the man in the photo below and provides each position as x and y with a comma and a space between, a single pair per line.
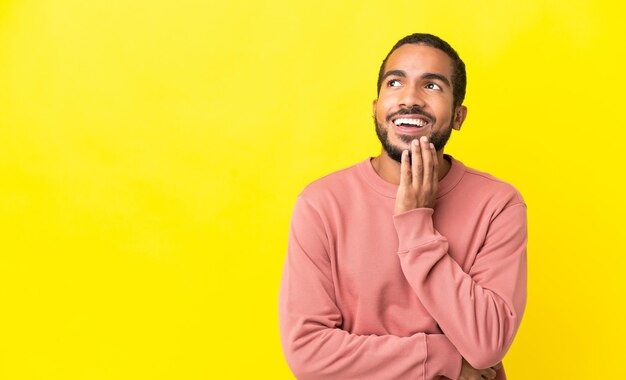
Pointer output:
409, 265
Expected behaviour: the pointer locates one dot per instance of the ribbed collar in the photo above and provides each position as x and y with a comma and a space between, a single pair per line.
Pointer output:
447, 183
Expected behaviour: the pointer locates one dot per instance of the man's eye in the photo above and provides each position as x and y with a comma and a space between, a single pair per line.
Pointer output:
393, 83
433, 86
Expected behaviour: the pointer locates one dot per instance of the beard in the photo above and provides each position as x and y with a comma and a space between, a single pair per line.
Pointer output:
437, 138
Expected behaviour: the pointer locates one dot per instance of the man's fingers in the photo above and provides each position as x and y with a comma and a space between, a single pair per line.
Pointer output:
488, 373
418, 176
433, 154
405, 169
417, 166
427, 159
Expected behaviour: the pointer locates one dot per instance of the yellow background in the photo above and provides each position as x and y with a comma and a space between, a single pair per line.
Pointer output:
151, 152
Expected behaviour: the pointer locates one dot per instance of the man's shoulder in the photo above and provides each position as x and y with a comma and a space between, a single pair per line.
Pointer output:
336, 182
491, 186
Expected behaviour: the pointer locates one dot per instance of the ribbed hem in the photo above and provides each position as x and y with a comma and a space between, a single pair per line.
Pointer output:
414, 228
442, 358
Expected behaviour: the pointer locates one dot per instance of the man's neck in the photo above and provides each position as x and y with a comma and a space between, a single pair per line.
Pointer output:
389, 169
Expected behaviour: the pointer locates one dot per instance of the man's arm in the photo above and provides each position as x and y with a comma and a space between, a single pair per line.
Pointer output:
314, 344
479, 311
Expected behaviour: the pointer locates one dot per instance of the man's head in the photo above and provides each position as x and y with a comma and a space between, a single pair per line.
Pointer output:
459, 77
421, 87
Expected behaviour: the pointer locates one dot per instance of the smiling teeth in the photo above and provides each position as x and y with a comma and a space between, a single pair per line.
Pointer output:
416, 122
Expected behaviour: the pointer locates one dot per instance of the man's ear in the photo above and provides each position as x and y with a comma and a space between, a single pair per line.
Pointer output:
374, 107
460, 113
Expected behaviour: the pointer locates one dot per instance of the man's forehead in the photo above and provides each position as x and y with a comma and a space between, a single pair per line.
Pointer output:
417, 58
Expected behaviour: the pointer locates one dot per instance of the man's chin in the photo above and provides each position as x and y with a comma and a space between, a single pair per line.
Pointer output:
405, 140
401, 142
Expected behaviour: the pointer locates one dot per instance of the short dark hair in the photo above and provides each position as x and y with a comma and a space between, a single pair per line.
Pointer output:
459, 78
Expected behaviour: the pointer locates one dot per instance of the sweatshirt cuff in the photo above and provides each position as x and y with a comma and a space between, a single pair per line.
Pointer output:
414, 228
442, 358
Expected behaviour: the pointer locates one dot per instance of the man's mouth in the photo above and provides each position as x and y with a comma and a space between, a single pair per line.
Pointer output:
410, 122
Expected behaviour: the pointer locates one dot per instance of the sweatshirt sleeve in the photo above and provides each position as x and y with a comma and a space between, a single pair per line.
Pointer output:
314, 344
479, 311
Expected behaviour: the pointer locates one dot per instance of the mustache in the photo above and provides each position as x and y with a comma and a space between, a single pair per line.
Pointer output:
411, 111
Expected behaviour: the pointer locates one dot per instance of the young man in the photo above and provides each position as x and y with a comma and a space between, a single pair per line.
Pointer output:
408, 265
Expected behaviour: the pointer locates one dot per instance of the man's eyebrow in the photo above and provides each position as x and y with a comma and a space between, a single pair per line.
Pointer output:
438, 77
401, 73
397, 73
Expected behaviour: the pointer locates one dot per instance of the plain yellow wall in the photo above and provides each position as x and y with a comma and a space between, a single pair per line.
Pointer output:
151, 152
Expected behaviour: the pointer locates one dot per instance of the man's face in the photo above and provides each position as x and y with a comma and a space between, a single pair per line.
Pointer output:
416, 99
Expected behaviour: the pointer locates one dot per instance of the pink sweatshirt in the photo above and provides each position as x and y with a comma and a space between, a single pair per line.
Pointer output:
369, 295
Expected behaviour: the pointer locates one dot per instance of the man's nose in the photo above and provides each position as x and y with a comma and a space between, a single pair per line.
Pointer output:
411, 97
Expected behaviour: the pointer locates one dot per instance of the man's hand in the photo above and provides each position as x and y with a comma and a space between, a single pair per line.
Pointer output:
419, 180
470, 373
